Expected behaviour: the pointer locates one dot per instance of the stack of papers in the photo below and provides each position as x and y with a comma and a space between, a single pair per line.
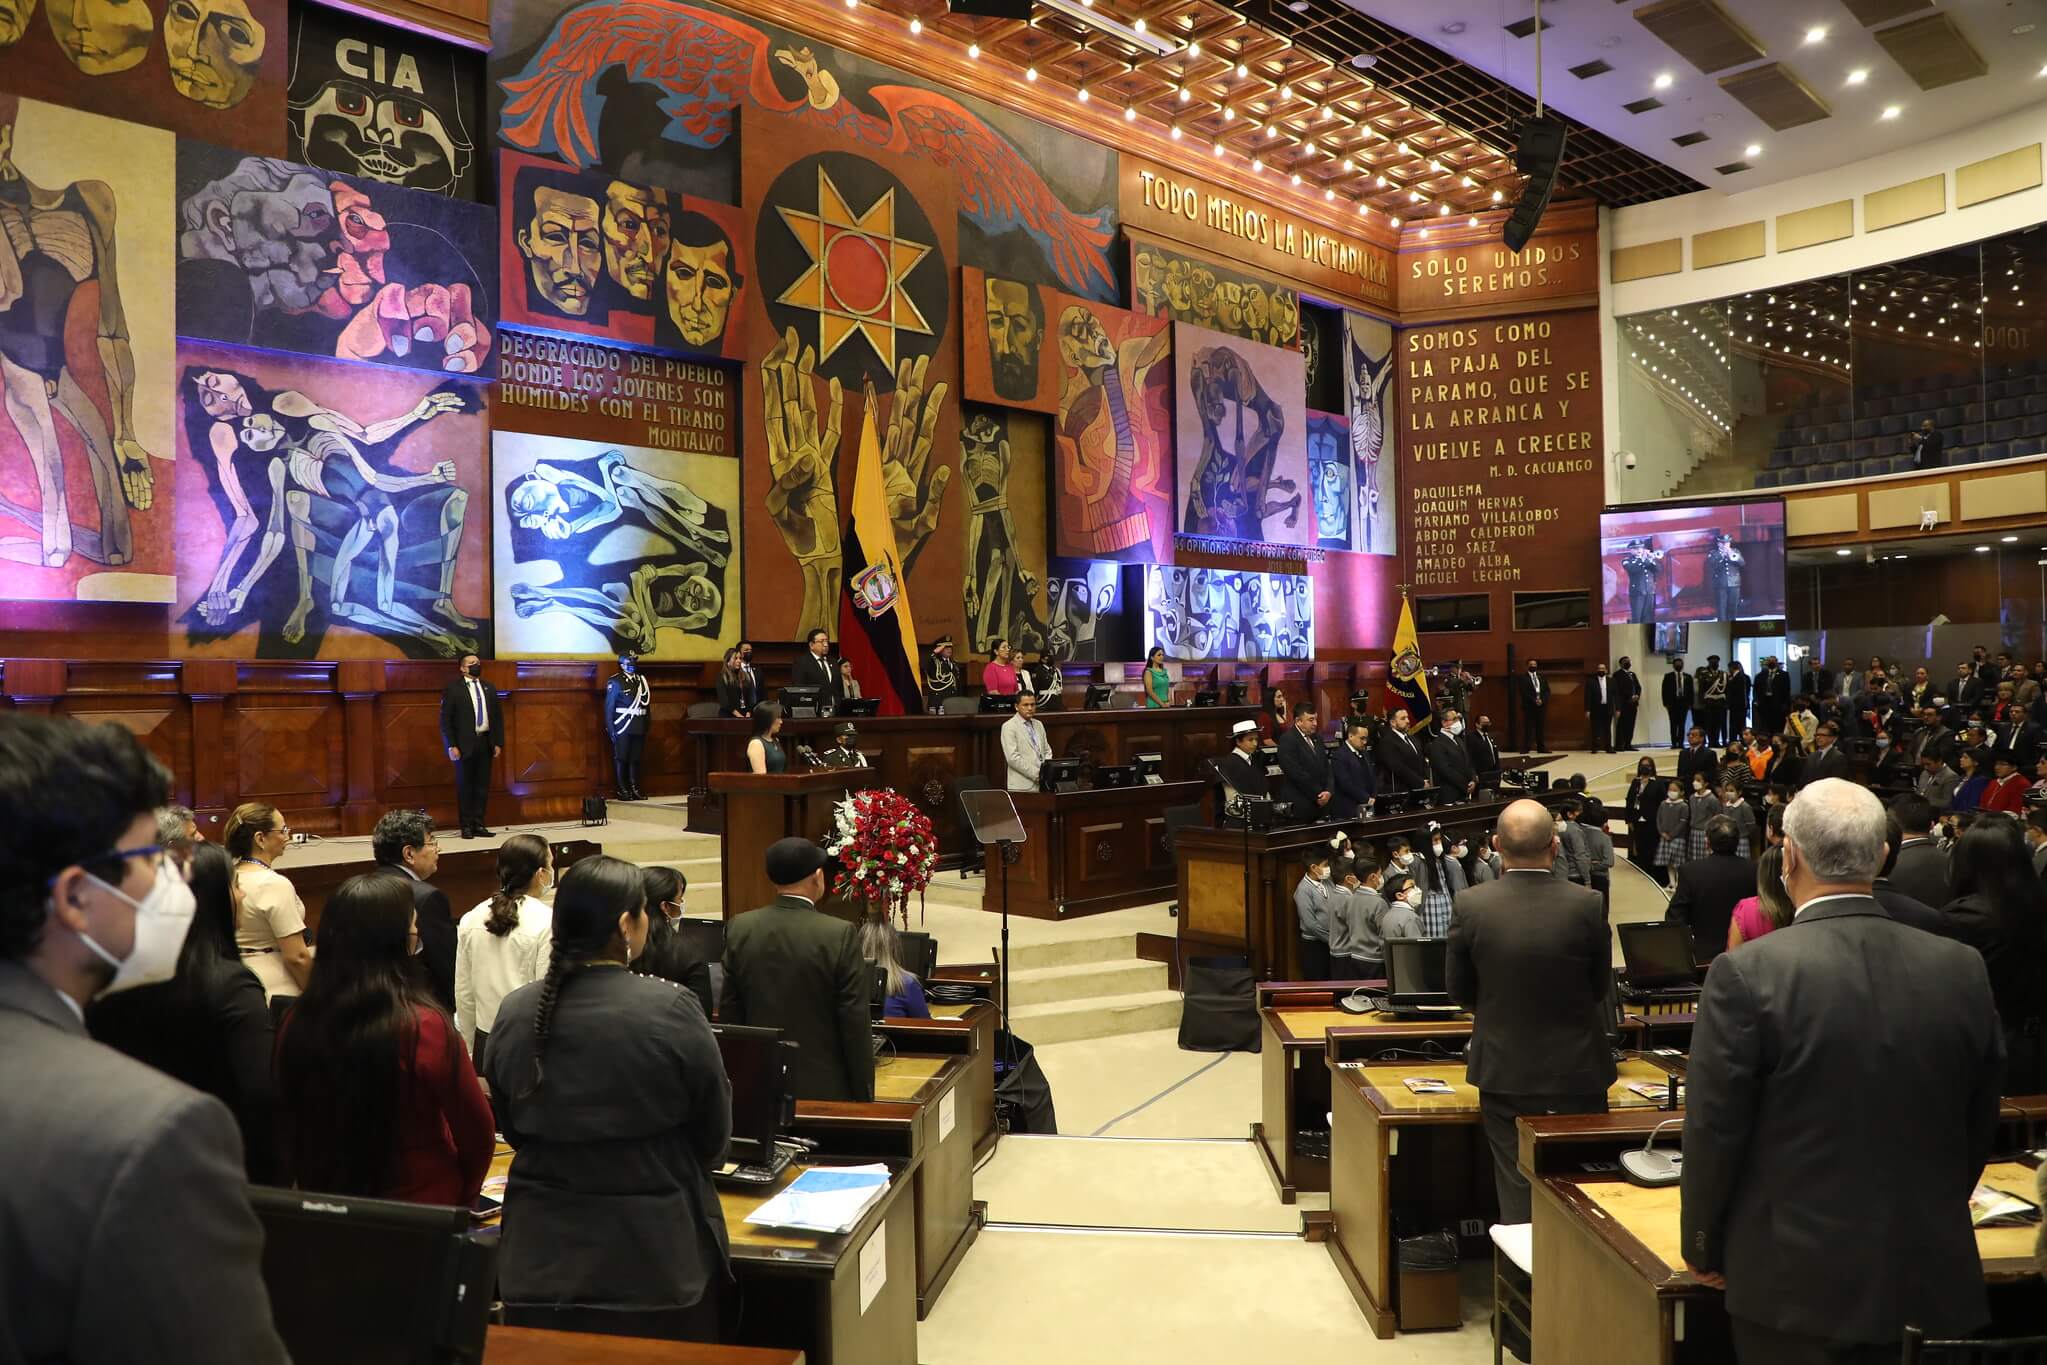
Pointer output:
1429, 1085
1993, 1208
825, 1199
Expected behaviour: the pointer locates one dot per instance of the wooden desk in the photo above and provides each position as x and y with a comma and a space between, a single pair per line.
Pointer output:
1294, 1080
1086, 852
771, 806
966, 1031
1667, 1025
1214, 916
1444, 1173
531, 1346
918, 1116
923, 757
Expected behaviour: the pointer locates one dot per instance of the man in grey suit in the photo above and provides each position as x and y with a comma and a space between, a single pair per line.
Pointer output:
128, 1234
1831, 1219
791, 967
1935, 781
1024, 746
1529, 957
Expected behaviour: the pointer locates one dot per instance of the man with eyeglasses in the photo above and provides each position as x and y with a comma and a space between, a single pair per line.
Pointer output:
128, 1229
404, 841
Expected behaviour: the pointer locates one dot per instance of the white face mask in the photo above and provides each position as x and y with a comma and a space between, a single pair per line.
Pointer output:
1454, 728
1459, 851
1557, 827
1413, 896
1404, 859
1436, 849
162, 919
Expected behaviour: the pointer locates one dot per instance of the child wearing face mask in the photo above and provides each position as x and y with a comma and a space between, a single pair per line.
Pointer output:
1486, 866
1402, 919
1673, 829
1704, 806
1736, 809
1400, 858
1442, 878
1314, 898
1355, 946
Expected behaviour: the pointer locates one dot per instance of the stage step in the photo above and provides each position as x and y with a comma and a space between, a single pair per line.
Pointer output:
672, 811
1107, 1016
1085, 981
1073, 952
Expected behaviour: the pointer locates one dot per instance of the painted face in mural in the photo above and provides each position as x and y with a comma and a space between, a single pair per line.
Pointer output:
14, 17
1178, 288
1229, 306
1311, 348
560, 244
701, 281
222, 397
380, 135
102, 36
1257, 309
215, 48
635, 237
1083, 342
261, 431
981, 438
1332, 486
1286, 316
1016, 333
1201, 284
281, 230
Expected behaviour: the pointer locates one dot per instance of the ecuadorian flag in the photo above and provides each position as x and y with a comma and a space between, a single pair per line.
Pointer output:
1406, 685
875, 631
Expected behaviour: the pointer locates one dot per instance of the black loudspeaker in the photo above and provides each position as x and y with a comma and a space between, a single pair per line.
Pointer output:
992, 9
1540, 152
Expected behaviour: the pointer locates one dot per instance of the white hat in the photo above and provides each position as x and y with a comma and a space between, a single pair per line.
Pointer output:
1243, 727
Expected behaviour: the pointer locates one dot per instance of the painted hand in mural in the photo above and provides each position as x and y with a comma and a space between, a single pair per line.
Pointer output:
801, 453
138, 483
913, 504
400, 318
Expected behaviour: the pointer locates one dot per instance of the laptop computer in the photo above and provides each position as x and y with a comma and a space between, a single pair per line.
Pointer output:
1657, 958
1418, 977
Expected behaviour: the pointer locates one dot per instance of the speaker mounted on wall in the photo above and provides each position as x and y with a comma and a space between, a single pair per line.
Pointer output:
1538, 155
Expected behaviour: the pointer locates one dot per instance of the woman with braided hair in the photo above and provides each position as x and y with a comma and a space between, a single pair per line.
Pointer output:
611, 1091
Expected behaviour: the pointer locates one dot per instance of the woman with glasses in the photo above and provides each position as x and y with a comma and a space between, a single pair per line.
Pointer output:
375, 1093
208, 1025
504, 943
270, 928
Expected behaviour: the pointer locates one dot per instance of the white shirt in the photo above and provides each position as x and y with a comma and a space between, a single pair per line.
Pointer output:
489, 968
1837, 896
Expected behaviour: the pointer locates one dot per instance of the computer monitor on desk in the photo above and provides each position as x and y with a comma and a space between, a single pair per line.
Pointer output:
860, 706
757, 1062
998, 703
1116, 775
1059, 775
1656, 958
1418, 976
801, 702
373, 1281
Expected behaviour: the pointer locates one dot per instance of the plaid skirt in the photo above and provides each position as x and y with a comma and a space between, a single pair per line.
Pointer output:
1435, 914
1698, 842
1670, 850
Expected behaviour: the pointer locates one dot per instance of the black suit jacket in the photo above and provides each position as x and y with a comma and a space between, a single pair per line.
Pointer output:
458, 716
1243, 775
1703, 901
1830, 762
1484, 756
791, 966
1401, 757
1532, 688
1843, 1079
1921, 872
1357, 781
436, 936
739, 693
1613, 693
811, 671
1627, 689
1529, 957
1906, 910
1699, 760
1304, 772
1642, 802
1677, 691
1451, 764
1773, 693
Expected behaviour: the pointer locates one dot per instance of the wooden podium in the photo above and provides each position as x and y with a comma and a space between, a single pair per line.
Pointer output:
763, 807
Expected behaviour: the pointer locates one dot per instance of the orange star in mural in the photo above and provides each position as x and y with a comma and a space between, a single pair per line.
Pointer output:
858, 263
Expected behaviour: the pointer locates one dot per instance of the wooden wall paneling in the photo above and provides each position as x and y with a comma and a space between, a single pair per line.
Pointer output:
210, 687
1099, 852
927, 771
34, 684
289, 741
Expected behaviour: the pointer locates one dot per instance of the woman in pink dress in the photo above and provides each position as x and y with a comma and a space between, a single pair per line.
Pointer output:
998, 679
1769, 909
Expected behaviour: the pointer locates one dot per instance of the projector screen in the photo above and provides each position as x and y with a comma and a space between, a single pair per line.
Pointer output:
1714, 562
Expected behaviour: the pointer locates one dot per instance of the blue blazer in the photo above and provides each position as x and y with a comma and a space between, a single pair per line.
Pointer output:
1357, 781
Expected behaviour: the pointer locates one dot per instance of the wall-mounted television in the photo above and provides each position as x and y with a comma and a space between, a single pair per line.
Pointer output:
1718, 561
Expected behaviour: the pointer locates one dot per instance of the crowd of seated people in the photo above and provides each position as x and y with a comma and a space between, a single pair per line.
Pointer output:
2001, 417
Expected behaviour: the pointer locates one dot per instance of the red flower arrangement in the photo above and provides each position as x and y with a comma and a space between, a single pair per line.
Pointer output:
885, 848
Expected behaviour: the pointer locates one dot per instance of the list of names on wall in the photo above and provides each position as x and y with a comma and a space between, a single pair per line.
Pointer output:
1499, 431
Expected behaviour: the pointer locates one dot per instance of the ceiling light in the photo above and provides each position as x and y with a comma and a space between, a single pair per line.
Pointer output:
1298, 6
1892, 111
1858, 75
1184, 95
1138, 26
1218, 147
1442, 210
974, 53
1129, 113
1474, 220
1349, 164
1497, 196
1030, 73
1753, 149
1663, 80
1454, 27
1816, 34
1229, 113
1194, 49
916, 27
1364, 61
1362, 210
1394, 221
1257, 163
1286, 92
1982, 549
1083, 94
1844, 553
1328, 194
1297, 177
2009, 540
1242, 71
1176, 132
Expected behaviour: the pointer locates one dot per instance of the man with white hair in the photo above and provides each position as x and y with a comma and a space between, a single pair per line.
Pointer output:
1843, 1098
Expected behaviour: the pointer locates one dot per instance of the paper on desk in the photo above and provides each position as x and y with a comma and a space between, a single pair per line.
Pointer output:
824, 1199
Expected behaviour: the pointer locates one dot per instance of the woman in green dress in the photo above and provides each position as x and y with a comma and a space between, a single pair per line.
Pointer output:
1158, 684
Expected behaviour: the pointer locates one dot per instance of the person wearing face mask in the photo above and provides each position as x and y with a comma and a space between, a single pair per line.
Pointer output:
1403, 915
404, 842
1450, 763
670, 955
1356, 939
1589, 824
1570, 864
93, 1141
1483, 753
1314, 898
1486, 866
375, 1093
504, 942
1599, 708
1442, 879
1400, 858
628, 706
1673, 832
1704, 804
1352, 769
1736, 809
1627, 700
472, 728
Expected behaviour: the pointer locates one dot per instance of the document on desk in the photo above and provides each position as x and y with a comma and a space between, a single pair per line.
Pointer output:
1994, 1208
1429, 1085
824, 1199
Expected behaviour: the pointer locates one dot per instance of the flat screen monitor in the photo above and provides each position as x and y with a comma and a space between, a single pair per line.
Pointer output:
1672, 637
1235, 693
1657, 954
757, 1063
799, 702
918, 952
1059, 775
998, 703
1152, 768
1418, 974
860, 706
1721, 561
1098, 695
702, 939
1116, 775
1207, 696
326, 1256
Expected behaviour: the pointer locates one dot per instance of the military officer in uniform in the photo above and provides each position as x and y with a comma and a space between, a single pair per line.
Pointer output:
627, 701
941, 676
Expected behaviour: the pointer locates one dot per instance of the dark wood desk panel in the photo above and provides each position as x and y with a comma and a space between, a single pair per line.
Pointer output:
1086, 852
531, 1346
771, 806
967, 1031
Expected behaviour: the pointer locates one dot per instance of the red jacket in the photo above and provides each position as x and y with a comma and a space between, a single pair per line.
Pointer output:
445, 1132
2006, 793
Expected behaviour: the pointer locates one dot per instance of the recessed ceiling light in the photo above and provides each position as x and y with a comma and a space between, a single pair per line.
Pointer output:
1753, 149
2009, 540
1663, 80
2021, 30
1816, 34
1364, 61
974, 51
1844, 553
1298, 6
1892, 111
1858, 75
1982, 549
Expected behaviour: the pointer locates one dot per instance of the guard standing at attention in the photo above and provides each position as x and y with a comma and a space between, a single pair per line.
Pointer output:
627, 701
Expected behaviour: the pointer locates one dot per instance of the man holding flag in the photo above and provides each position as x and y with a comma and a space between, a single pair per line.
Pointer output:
876, 634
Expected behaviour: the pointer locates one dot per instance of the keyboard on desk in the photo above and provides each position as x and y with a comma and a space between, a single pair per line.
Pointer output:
759, 1173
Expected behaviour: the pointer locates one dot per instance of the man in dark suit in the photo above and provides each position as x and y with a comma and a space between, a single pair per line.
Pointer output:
814, 668
1903, 908
1240, 768
1791, 1151
1922, 870
1483, 753
1599, 690
129, 1234
1305, 783
1739, 685
1448, 761
1627, 700
1533, 690
1709, 888
1828, 759
1934, 736
2019, 737
1400, 755
1772, 697
1697, 760
1357, 781
1677, 700
1529, 957
791, 967
2036, 838
472, 728
1969, 688
404, 842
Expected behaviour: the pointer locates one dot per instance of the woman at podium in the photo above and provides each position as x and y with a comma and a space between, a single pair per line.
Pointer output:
764, 752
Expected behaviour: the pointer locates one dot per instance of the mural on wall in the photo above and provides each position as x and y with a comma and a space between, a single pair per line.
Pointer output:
1002, 470
1368, 388
1243, 440
324, 511
1329, 475
216, 71
655, 90
286, 257
383, 103
1112, 439
602, 548
86, 358
1008, 355
1322, 350
1206, 614
1169, 284
1085, 615
854, 257
599, 256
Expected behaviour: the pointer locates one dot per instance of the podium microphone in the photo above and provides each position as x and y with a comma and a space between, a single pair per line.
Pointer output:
1649, 1167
